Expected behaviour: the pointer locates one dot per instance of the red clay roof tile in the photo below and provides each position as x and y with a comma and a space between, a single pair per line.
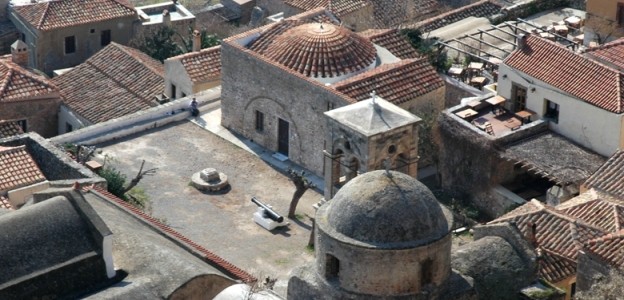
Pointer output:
393, 41
397, 83
609, 178
18, 83
573, 73
556, 232
479, 9
18, 169
116, 81
65, 13
339, 8
611, 53
10, 128
203, 65
317, 50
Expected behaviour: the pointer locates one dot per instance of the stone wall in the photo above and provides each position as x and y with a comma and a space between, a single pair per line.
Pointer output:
47, 48
528, 8
39, 113
470, 160
497, 269
250, 84
589, 270
54, 163
140, 121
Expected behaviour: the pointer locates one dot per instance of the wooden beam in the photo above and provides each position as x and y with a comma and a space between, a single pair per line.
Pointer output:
506, 51
490, 54
498, 38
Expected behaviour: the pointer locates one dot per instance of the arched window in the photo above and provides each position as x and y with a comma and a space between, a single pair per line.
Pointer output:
426, 272
332, 267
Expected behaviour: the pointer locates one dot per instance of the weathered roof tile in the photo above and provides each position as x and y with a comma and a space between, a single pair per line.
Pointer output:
65, 13
116, 81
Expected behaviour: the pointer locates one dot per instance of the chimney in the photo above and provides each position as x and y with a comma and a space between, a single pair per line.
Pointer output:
19, 53
196, 40
521, 41
166, 17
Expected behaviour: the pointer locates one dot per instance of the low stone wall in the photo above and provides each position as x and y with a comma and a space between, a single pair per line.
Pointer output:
497, 201
53, 162
528, 8
140, 121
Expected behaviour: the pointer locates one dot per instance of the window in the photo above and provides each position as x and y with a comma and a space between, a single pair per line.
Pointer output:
620, 14
259, 121
23, 37
92, 30
519, 97
70, 44
332, 266
105, 37
68, 127
173, 91
552, 111
426, 272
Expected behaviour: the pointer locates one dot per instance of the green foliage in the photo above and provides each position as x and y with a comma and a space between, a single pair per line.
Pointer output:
115, 179
207, 40
427, 47
137, 197
165, 42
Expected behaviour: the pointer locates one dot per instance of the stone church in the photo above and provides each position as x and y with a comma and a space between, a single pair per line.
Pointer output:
385, 236
278, 80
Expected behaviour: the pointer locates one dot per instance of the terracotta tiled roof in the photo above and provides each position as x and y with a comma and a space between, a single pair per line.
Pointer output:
606, 215
9, 128
18, 169
389, 13
262, 41
339, 8
611, 53
555, 232
479, 9
321, 50
18, 83
609, 178
392, 40
116, 81
573, 73
65, 13
397, 83
203, 65
215, 260
4, 202
554, 267
608, 247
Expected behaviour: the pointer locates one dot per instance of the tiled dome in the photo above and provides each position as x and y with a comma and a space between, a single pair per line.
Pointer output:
322, 50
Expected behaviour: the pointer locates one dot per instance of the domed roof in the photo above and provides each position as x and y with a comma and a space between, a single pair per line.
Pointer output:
379, 208
322, 50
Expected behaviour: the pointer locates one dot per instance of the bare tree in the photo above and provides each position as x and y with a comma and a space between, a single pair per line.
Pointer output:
139, 176
302, 184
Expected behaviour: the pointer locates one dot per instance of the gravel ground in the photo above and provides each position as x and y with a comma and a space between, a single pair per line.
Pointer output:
220, 222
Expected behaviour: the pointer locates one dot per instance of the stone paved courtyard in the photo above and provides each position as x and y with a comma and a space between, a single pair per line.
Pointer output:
220, 222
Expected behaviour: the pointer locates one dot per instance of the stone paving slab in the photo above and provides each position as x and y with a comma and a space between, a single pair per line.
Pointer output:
221, 222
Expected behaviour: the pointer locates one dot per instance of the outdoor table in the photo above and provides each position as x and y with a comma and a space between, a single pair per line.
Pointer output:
466, 113
496, 100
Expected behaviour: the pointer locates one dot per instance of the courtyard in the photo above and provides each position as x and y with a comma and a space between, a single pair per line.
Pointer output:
221, 222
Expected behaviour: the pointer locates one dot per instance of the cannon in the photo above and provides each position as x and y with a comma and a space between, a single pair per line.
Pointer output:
268, 212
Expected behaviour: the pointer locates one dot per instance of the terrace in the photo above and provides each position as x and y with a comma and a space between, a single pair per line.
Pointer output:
153, 14
490, 116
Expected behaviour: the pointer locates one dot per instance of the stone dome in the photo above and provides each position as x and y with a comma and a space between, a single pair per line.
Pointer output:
377, 208
322, 50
